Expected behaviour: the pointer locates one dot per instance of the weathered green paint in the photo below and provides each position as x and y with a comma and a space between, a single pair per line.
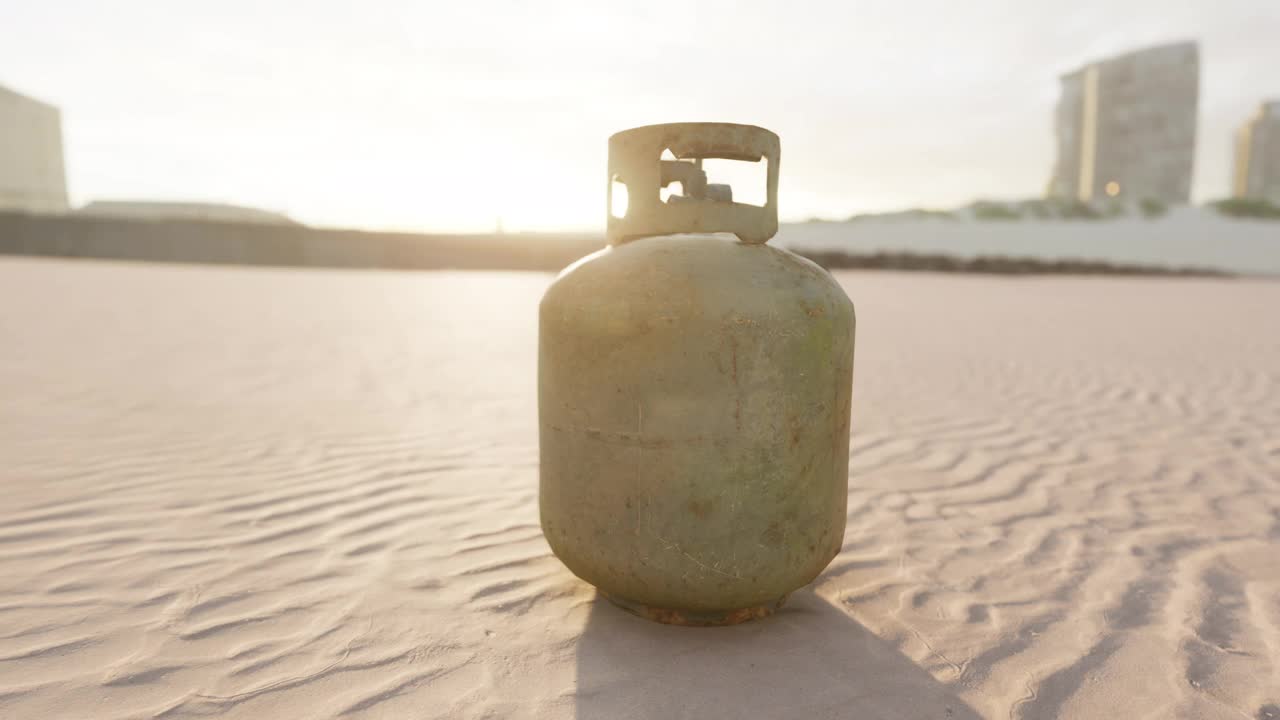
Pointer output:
694, 414
693, 394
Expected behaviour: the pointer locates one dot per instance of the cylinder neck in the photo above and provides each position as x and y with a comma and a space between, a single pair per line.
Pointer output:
645, 160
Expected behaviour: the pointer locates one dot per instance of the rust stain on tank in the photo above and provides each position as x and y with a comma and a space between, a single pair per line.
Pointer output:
701, 508
813, 310
772, 535
733, 345
737, 399
690, 618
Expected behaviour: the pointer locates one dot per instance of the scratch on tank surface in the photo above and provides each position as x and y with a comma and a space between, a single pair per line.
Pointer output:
675, 547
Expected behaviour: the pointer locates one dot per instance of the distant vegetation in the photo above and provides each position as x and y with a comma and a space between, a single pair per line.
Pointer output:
985, 210
1247, 208
1059, 209
993, 265
1152, 208
1035, 209
912, 214
1046, 209
1064, 209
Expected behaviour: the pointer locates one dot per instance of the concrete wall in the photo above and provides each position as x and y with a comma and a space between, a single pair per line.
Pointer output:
32, 172
1132, 119
1184, 237
229, 243
1257, 169
170, 210
1187, 237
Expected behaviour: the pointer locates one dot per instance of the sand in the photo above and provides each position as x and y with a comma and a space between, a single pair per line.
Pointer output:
262, 493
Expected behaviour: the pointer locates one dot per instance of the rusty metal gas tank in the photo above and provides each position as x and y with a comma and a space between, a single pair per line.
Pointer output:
693, 393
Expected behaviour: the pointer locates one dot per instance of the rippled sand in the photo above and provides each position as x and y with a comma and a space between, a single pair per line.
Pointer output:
312, 494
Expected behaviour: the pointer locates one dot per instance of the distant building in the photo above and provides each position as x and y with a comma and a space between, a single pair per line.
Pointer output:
32, 175
1126, 126
1257, 166
163, 210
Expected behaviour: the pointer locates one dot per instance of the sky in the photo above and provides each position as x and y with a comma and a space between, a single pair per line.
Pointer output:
455, 116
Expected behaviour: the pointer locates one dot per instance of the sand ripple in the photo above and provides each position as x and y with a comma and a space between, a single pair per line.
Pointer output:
255, 493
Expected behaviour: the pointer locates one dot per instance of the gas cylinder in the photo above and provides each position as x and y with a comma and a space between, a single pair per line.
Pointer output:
693, 392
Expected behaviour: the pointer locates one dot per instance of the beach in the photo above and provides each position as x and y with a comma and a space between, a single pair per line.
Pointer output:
263, 492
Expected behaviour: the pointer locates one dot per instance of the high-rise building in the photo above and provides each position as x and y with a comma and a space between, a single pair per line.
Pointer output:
1257, 166
32, 175
1126, 126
